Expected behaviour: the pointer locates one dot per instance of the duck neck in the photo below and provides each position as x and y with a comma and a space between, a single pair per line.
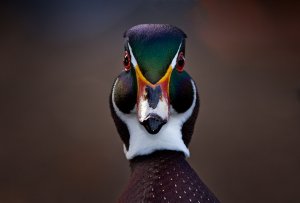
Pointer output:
164, 176
159, 162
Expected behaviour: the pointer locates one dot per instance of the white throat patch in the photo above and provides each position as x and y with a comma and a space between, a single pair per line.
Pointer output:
168, 138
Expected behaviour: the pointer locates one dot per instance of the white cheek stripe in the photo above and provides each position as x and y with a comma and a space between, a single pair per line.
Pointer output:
174, 61
168, 138
133, 60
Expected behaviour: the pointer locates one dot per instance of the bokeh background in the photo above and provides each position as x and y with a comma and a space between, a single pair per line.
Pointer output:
58, 60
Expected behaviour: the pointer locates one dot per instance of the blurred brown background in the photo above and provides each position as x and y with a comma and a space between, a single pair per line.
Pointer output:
58, 60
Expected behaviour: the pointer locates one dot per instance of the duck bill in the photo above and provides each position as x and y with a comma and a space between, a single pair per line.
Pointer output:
153, 102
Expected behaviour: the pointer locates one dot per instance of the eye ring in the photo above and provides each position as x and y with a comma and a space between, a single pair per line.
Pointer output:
126, 61
180, 62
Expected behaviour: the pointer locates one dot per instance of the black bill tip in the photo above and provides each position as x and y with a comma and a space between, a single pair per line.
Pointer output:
153, 123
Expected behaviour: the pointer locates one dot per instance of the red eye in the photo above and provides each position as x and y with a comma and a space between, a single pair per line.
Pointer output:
126, 61
180, 62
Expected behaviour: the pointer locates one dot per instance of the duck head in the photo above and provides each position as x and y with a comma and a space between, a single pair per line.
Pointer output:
154, 102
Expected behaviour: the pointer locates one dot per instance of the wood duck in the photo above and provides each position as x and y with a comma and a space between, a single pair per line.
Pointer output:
154, 104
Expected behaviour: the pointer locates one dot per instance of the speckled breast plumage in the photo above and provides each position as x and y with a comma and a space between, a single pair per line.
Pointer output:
165, 176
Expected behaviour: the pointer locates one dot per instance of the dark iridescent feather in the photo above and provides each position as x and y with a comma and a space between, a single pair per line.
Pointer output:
154, 47
125, 91
181, 91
